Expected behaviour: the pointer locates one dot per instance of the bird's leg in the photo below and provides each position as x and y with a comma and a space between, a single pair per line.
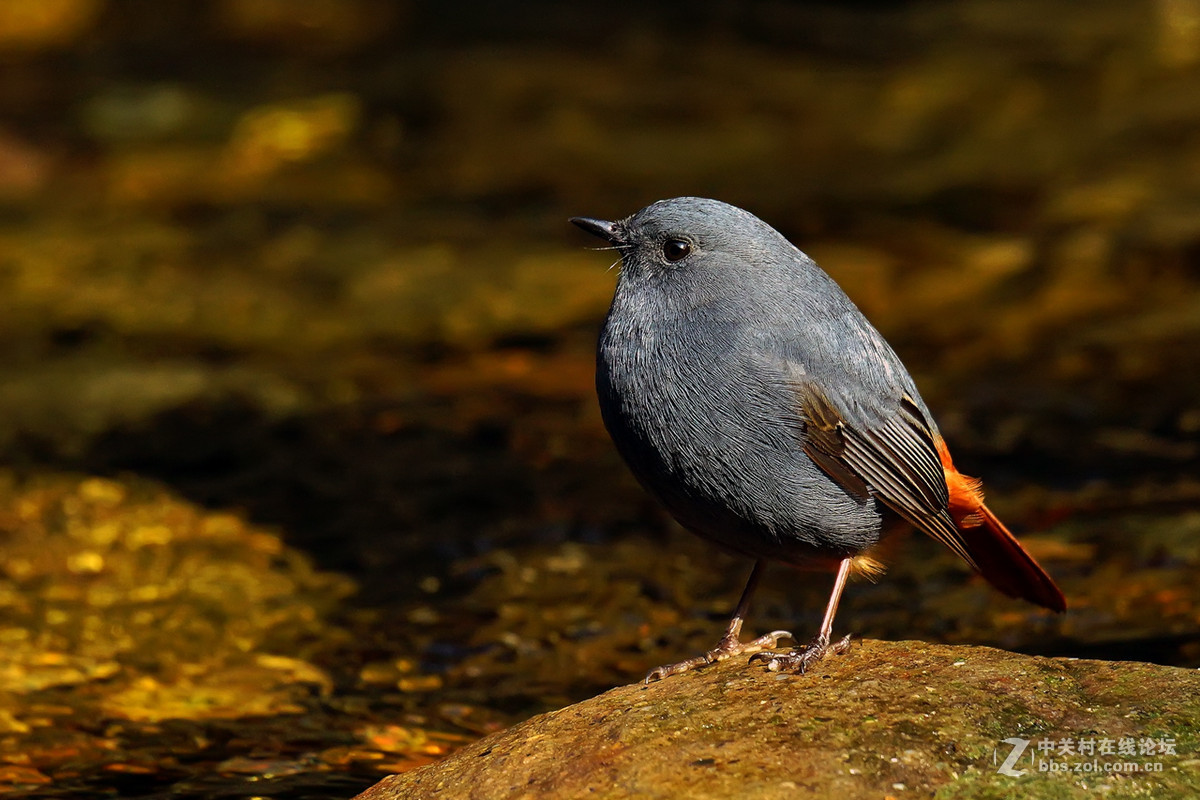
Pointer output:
731, 643
805, 656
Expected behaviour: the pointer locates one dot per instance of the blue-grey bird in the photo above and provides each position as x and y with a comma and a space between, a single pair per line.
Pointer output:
751, 396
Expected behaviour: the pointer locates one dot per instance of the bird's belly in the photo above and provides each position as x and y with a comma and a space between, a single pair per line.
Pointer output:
732, 470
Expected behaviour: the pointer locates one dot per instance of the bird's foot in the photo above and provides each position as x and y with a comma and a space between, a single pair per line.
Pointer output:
800, 659
728, 647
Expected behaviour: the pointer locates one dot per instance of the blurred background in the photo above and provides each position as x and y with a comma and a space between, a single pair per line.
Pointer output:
302, 479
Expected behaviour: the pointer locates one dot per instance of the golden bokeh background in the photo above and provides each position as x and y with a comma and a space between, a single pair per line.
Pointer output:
301, 475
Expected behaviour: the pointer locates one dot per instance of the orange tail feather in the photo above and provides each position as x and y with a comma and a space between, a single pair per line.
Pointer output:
1007, 565
1000, 557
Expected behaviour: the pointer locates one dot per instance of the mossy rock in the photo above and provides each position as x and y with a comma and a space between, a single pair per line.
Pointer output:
904, 719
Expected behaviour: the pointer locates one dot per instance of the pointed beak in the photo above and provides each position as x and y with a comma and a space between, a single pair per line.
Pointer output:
598, 227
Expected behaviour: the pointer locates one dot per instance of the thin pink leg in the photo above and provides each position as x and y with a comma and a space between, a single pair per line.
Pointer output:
803, 657
730, 644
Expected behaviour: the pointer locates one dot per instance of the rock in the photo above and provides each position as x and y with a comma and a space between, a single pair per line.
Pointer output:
898, 720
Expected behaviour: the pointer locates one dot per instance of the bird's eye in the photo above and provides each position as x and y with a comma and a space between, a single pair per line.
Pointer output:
676, 249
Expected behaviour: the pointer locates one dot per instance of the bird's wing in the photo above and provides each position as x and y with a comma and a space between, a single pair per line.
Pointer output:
895, 460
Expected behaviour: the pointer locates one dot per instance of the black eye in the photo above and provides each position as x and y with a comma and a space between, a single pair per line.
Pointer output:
675, 249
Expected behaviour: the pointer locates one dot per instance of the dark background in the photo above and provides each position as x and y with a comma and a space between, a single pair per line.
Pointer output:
301, 472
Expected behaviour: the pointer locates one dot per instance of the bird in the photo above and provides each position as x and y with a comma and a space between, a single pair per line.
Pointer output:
756, 402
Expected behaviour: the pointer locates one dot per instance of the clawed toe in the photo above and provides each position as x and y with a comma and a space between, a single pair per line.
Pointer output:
800, 659
726, 648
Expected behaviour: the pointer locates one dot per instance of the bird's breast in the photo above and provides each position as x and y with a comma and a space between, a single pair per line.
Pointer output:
714, 439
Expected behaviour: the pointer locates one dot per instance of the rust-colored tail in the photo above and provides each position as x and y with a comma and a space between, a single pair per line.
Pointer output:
1007, 565
997, 553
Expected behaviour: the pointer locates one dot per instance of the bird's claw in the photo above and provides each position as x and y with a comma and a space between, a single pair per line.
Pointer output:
801, 658
726, 648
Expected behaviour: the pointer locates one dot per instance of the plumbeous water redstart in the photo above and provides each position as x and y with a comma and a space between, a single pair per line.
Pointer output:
751, 396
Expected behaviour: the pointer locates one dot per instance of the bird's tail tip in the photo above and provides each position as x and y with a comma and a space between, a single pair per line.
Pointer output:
1008, 566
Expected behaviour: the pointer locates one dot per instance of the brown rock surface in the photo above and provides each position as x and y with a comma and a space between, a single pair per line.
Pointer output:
901, 719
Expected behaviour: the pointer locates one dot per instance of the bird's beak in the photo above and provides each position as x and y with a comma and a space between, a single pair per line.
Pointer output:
598, 227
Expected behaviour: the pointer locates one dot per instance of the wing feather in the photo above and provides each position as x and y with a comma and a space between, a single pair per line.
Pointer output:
896, 462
